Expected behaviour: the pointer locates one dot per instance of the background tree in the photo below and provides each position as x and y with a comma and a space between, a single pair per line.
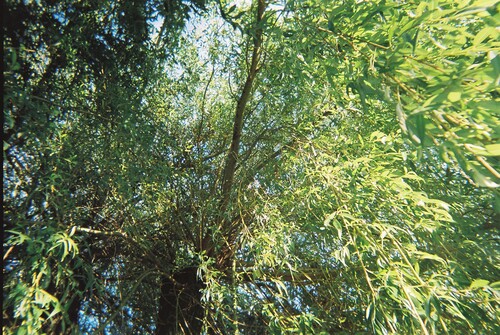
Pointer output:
75, 71
247, 174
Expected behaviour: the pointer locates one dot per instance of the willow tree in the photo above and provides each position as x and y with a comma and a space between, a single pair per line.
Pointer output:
276, 167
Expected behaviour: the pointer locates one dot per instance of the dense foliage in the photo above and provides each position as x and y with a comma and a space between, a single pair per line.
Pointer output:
251, 167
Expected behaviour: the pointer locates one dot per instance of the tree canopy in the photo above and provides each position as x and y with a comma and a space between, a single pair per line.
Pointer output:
251, 167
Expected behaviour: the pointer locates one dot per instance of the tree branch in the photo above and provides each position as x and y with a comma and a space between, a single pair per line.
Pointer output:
98, 232
232, 156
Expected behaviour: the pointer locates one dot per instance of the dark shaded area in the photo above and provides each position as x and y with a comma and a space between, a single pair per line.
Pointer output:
79, 59
180, 310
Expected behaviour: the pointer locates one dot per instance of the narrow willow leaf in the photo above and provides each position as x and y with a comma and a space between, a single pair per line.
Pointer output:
479, 283
483, 34
495, 285
492, 150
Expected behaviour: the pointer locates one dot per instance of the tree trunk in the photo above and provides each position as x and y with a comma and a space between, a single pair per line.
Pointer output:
180, 309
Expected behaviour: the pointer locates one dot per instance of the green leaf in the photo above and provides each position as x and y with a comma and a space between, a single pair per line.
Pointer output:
484, 34
370, 311
454, 95
492, 150
420, 123
482, 178
479, 283
495, 285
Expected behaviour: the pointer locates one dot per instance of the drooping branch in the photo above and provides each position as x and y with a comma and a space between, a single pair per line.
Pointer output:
305, 275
